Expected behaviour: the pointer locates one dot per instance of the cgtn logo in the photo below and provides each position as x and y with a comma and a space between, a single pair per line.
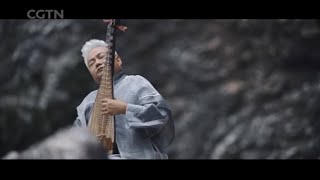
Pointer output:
45, 14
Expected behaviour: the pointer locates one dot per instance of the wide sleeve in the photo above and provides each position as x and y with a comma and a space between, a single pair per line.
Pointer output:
84, 111
151, 114
80, 121
77, 123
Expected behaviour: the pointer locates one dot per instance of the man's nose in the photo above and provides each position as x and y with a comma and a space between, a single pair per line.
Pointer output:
100, 62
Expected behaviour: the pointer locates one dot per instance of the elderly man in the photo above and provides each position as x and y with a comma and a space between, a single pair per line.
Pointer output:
143, 120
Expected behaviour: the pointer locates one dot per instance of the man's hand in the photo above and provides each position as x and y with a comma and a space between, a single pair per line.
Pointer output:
113, 107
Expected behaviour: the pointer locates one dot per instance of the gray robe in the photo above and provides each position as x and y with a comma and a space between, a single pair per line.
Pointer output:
146, 129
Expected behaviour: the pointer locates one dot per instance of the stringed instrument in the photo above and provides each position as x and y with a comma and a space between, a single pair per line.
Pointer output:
103, 126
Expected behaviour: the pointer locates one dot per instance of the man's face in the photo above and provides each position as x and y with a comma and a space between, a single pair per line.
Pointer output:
96, 62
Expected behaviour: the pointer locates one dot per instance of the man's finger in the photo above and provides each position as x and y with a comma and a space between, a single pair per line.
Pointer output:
104, 100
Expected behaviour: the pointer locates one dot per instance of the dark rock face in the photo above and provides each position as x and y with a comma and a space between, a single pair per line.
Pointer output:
238, 88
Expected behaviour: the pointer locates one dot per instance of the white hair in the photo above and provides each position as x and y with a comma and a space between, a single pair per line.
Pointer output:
89, 45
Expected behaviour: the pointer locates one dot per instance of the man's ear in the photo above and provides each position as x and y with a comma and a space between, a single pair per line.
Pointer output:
119, 60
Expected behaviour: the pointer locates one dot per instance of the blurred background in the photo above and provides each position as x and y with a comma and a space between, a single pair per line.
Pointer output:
238, 88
